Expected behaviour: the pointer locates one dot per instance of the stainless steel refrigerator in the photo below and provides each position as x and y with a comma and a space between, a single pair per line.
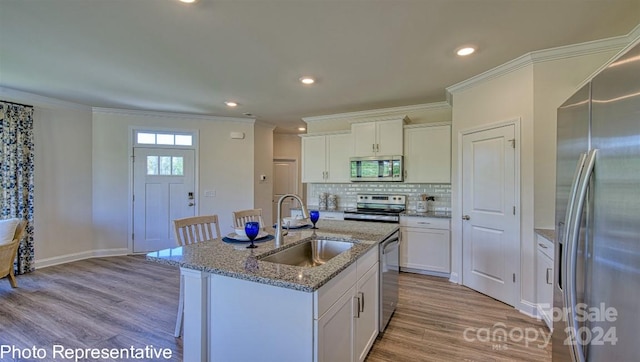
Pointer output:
597, 252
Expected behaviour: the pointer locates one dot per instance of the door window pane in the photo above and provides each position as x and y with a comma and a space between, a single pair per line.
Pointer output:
152, 165
177, 166
165, 165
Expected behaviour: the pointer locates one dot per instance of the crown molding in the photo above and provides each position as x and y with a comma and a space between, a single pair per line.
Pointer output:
563, 52
39, 101
378, 114
156, 114
329, 133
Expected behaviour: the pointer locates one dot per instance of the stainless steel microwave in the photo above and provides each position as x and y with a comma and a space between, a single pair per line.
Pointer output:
387, 168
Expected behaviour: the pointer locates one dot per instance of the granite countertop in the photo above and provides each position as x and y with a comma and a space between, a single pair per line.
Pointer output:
549, 234
235, 260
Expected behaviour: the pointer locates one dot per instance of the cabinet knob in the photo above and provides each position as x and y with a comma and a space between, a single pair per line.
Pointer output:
542, 246
466, 217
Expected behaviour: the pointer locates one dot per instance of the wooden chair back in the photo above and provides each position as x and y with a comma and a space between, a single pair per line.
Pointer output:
190, 230
242, 217
8, 254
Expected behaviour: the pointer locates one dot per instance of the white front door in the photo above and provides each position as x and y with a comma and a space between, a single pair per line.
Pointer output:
163, 190
285, 181
490, 232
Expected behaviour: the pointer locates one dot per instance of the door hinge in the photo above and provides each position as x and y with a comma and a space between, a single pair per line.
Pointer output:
514, 277
513, 142
514, 210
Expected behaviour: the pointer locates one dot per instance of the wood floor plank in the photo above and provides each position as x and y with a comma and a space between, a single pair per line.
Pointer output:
119, 302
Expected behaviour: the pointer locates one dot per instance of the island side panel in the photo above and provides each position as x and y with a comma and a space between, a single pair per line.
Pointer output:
259, 322
196, 307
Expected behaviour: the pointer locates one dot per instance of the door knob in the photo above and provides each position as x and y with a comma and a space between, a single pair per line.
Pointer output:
466, 217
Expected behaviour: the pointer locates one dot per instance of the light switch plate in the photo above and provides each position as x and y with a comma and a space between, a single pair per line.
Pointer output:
209, 193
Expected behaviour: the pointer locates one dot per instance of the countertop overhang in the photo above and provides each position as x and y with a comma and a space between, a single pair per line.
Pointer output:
235, 260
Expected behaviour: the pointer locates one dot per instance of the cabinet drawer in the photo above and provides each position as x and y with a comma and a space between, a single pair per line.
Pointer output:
367, 261
545, 246
329, 293
425, 222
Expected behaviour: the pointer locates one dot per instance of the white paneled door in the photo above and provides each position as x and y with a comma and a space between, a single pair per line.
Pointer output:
163, 186
285, 181
490, 232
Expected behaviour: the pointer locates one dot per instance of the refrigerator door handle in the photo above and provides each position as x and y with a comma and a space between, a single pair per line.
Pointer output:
571, 254
564, 236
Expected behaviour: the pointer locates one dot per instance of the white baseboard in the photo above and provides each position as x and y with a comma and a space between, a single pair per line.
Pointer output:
545, 317
56, 260
528, 308
425, 272
454, 278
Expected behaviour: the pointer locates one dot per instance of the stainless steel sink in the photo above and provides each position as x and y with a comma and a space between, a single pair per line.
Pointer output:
310, 253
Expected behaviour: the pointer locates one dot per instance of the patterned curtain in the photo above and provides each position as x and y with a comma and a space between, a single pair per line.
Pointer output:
16, 174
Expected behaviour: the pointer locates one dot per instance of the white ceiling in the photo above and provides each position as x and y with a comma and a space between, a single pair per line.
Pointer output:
163, 55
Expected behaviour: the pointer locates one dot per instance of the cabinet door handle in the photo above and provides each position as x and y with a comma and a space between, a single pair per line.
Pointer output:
423, 223
358, 308
543, 246
373, 147
360, 302
549, 276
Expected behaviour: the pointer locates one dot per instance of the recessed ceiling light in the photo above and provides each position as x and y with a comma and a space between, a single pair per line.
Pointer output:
301, 129
307, 80
188, 1
465, 51
231, 104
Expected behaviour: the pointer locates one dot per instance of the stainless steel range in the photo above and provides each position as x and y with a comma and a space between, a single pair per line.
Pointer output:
375, 207
383, 208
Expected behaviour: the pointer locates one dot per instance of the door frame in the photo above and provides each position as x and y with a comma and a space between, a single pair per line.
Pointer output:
457, 243
131, 144
298, 187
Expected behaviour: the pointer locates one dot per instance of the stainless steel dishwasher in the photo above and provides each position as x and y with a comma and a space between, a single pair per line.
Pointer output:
389, 271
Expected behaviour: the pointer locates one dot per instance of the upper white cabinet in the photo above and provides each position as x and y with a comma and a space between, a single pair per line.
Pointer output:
379, 138
427, 154
326, 158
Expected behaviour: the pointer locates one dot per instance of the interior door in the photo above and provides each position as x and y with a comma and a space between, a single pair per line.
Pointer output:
285, 181
163, 186
490, 234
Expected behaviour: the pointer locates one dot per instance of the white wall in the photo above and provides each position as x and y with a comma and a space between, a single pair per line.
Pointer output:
531, 94
62, 177
263, 190
225, 165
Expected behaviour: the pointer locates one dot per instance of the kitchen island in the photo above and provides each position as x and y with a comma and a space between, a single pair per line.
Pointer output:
239, 307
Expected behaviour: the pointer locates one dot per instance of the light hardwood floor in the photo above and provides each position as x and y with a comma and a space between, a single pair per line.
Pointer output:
119, 302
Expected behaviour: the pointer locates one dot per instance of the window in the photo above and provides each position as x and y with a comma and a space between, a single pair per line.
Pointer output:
163, 138
165, 165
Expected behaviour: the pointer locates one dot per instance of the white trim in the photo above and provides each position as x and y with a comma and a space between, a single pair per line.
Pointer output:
201, 117
40, 101
563, 52
330, 133
529, 309
379, 114
68, 258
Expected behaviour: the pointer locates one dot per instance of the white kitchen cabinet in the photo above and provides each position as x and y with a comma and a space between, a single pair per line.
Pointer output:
544, 278
379, 138
366, 321
326, 158
425, 245
348, 328
427, 154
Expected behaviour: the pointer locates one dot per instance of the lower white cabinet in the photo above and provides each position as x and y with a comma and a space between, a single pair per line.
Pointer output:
544, 278
425, 245
347, 330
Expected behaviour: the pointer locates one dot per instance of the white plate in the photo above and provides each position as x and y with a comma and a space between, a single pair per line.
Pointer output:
284, 226
235, 236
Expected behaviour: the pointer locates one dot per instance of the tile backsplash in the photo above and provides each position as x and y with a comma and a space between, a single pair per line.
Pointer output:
346, 193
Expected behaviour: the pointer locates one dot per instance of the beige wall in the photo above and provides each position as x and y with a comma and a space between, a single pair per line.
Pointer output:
225, 165
554, 82
263, 159
289, 147
530, 94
